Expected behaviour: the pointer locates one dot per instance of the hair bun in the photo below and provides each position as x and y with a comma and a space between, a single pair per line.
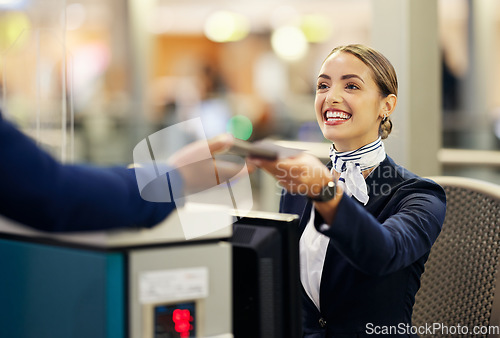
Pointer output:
385, 128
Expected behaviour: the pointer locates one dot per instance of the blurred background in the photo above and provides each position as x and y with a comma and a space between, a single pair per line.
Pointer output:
89, 79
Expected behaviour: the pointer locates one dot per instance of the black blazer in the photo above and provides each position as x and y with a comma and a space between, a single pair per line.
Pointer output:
375, 256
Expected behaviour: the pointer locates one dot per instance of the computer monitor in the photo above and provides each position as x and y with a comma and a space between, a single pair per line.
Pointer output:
266, 277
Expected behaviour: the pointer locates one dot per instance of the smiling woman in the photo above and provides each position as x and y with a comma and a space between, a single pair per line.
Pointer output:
355, 96
364, 242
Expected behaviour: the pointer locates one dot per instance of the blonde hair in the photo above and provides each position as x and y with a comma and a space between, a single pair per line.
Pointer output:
383, 74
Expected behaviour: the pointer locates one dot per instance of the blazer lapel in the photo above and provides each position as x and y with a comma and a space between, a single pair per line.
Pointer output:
304, 218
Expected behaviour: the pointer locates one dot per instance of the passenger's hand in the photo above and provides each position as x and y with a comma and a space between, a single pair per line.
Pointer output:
212, 169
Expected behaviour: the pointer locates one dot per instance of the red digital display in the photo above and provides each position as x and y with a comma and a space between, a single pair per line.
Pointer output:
175, 321
183, 322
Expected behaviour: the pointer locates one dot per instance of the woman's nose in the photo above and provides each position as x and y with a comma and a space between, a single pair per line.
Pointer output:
333, 96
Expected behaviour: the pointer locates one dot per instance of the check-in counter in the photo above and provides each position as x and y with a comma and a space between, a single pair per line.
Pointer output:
136, 283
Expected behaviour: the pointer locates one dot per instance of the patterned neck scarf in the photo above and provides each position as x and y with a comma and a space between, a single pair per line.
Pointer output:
351, 164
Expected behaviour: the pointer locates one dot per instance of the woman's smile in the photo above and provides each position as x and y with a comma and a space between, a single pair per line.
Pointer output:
334, 117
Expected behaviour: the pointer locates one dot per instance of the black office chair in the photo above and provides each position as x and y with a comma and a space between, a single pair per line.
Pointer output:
461, 284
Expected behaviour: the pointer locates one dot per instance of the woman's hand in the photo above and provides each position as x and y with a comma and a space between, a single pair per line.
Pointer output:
305, 175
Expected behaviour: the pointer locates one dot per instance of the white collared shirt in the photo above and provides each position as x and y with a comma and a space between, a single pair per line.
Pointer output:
312, 246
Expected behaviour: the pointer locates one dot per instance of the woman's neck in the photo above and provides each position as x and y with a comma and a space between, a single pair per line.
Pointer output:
348, 146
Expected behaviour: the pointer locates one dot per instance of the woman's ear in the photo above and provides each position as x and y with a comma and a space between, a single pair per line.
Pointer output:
389, 104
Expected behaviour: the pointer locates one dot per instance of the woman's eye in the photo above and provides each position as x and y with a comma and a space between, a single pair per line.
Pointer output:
351, 86
321, 86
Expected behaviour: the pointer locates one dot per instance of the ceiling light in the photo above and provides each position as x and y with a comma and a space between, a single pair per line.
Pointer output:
224, 26
289, 43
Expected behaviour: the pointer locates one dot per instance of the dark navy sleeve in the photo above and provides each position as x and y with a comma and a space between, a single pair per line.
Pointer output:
38, 191
413, 219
